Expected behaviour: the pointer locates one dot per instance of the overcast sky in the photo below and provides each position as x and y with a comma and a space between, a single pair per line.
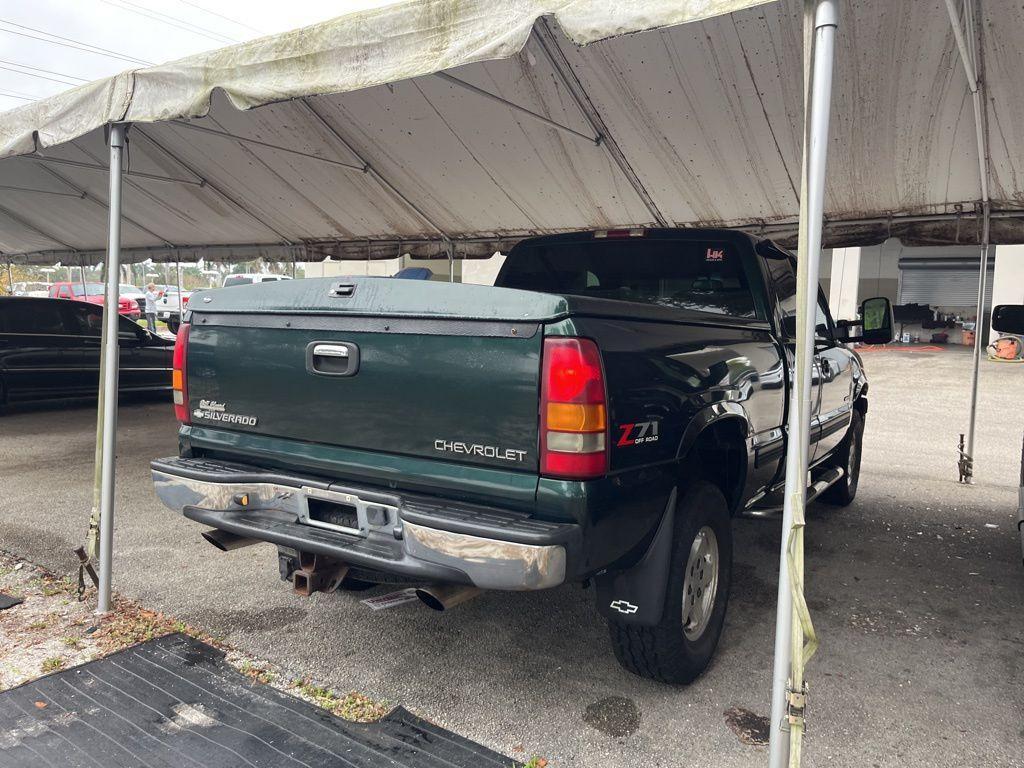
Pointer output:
42, 39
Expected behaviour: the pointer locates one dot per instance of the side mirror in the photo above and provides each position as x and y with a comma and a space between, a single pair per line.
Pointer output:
1008, 318
876, 323
877, 319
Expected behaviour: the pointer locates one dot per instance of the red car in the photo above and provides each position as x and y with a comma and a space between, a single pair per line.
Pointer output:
93, 293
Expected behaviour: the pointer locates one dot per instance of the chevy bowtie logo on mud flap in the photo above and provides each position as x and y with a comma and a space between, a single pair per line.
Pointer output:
211, 410
624, 606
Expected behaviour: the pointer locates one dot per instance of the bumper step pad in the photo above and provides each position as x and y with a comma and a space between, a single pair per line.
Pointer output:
174, 701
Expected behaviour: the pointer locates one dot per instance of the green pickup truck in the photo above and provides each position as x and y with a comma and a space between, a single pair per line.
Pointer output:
598, 416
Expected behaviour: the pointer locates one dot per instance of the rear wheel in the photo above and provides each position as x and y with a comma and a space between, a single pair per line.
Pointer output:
681, 645
173, 325
847, 456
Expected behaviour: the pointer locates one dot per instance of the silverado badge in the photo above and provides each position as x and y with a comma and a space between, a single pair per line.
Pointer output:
211, 410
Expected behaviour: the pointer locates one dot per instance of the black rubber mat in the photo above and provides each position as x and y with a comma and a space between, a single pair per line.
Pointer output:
6, 601
175, 702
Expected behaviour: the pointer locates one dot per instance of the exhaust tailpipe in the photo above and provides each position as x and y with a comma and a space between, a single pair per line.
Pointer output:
225, 541
443, 597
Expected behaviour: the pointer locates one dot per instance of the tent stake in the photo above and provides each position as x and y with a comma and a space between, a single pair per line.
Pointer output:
109, 372
787, 676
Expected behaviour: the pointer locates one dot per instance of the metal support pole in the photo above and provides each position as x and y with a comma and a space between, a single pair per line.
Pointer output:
109, 372
181, 298
293, 266
85, 291
10, 278
515, 107
979, 344
786, 674
974, 69
451, 262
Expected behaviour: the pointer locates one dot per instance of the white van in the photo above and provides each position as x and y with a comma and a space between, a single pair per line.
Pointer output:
250, 278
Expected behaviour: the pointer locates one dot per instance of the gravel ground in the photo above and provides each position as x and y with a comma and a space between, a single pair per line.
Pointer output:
917, 598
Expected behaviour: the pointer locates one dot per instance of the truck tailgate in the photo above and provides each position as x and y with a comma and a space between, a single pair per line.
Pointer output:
423, 369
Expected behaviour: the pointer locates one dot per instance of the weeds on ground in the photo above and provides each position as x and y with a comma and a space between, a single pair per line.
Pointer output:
537, 762
52, 664
352, 706
65, 633
258, 673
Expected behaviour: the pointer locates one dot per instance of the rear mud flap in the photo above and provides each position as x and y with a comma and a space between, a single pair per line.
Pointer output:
637, 595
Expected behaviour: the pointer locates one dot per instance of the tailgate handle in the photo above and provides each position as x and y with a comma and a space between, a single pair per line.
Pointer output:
334, 358
329, 350
342, 289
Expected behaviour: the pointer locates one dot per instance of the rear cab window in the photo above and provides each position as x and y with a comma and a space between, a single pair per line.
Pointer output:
32, 318
711, 276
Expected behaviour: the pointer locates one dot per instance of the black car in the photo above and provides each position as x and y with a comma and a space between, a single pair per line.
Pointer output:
50, 348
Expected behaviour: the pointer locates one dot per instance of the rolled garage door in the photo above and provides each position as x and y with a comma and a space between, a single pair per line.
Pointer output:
943, 282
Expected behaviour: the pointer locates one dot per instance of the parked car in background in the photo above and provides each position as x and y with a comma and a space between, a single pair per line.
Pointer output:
31, 289
50, 349
94, 294
169, 307
598, 416
133, 292
250, 278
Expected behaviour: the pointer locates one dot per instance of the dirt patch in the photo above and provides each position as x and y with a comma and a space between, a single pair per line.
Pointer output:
51, 630
616, 715
750, 728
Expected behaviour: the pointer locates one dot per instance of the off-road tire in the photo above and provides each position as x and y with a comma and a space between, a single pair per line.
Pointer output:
844, 491
664, 652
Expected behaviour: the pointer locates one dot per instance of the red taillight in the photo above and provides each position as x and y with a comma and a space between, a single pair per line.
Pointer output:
184, 300
179, 376
573, 414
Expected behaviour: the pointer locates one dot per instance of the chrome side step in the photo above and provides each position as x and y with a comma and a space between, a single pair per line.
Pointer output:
773, 509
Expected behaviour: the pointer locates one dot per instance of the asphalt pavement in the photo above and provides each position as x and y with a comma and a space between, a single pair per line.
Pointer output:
916, 590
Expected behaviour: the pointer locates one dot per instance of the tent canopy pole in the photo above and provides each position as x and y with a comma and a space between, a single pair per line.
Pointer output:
970, 57
792, 620
110, 366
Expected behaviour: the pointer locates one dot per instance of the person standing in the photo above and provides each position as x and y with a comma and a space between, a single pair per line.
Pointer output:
152, 294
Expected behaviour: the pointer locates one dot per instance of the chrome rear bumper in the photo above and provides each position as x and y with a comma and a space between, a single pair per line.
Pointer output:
446, 543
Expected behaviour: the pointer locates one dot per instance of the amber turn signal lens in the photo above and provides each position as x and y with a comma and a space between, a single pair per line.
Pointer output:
576, 417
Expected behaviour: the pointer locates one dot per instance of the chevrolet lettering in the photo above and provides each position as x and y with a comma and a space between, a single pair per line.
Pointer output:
475, 449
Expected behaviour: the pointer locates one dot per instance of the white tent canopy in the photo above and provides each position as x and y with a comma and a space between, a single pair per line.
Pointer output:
442, 127
555, 120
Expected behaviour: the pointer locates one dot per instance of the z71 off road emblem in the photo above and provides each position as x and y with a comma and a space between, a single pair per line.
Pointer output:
637, 433
624, 606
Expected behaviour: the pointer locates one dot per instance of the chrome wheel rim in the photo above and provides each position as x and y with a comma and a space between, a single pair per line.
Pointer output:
700, 584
